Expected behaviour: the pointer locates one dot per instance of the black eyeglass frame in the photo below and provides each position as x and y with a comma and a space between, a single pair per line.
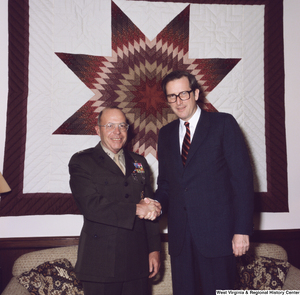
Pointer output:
178, 95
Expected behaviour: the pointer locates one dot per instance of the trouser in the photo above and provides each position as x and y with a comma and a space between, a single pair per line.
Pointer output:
134, 287
194, 274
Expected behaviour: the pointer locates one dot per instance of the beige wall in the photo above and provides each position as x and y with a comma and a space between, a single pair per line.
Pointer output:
65, 225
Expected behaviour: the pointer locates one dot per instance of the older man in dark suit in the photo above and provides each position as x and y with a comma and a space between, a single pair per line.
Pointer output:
118, 248
205, 183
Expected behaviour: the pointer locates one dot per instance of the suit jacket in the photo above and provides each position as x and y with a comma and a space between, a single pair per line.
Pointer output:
114, 243
213, 193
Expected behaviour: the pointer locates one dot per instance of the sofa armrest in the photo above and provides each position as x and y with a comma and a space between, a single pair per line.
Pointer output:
292, 281
268, 250
30, 260
33, 259
14, 288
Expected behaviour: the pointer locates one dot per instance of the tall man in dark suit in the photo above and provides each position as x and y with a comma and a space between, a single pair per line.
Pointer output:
205, 183
118, 248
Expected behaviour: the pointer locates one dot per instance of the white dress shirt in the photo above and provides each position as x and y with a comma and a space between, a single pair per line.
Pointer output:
193, 124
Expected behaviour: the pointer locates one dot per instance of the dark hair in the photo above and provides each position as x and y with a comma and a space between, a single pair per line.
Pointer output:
178, 74
107, 108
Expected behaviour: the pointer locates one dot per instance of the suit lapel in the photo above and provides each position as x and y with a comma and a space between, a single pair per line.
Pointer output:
103, 160
129, 163
175, 150
199, 136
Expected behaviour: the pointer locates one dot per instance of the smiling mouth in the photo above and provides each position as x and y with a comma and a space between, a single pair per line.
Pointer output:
116, 139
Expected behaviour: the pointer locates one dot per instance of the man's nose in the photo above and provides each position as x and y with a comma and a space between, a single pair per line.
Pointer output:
117, 129
178, 101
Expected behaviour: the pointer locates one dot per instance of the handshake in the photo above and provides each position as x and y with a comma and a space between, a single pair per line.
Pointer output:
148, 209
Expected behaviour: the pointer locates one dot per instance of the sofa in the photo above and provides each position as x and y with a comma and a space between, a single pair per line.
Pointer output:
252, 269
266, 267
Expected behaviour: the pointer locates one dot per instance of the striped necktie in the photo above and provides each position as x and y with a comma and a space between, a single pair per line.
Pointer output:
186, 143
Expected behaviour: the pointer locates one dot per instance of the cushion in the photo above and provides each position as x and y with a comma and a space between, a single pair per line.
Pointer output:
53, 277
261, 273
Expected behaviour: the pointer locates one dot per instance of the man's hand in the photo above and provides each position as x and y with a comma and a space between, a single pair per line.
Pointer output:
156, 204
240, 244
154, 263
148, 209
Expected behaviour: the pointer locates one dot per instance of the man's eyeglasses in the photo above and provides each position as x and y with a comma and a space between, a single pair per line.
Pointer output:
183, 95
110, 127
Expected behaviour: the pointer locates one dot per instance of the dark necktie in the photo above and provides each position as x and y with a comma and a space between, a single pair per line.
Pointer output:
186, 143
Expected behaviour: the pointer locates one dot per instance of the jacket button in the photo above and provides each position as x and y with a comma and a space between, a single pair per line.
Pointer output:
126, 196
95, 236
126, 183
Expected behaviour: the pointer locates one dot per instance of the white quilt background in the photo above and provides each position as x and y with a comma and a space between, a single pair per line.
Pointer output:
84, 27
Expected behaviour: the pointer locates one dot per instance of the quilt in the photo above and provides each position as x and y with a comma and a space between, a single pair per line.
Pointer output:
70, 59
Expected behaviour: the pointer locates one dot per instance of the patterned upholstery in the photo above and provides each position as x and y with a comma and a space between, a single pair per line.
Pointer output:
161, 285
52, 277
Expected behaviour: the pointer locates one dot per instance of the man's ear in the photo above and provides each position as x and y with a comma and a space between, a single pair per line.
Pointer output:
97, 129
197, 92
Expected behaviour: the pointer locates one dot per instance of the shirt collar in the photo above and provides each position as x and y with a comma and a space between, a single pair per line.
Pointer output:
110, 153
193, 120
